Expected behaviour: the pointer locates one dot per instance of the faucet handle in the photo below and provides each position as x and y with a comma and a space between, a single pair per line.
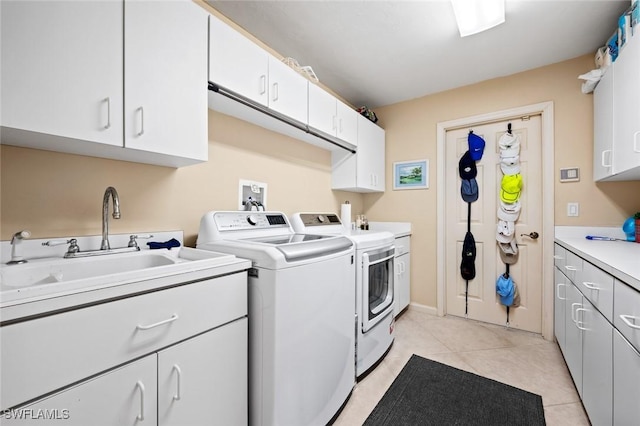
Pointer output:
73, 245
133, 239
52, 243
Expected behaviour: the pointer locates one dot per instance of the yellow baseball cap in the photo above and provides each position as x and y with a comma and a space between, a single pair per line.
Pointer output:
510, 188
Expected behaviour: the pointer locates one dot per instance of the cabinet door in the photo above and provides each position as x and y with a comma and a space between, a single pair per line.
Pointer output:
402, 282
347, 126
165, 78
626, 382
204, 380
573, 334
597, 366
62, 68
125, 396
603, 127
236, 63
370, 156
626, 118
560, 309
287, 91
322, 110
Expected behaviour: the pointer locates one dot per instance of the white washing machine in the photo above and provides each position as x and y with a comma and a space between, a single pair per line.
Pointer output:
301, 340
374, 282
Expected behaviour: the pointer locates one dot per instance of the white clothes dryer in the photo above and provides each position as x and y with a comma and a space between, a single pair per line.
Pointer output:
301, 340
374, 283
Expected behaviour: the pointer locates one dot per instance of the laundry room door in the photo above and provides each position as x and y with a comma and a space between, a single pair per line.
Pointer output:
483, 302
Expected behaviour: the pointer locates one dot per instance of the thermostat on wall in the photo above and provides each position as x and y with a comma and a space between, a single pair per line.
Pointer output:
571, 174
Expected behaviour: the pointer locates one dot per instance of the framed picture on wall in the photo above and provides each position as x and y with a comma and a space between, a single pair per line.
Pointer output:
411, 174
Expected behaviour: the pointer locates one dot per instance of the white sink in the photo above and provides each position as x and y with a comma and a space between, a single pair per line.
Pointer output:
53, 275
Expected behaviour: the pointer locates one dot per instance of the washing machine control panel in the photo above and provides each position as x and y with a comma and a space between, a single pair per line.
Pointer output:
228, 221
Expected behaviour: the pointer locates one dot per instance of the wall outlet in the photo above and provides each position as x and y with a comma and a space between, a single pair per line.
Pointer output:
573, 209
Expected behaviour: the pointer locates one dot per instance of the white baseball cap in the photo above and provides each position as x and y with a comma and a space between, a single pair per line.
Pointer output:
509, 140
510, 213
510, 165
505, 231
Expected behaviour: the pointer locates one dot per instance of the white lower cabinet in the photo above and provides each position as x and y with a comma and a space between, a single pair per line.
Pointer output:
204, 380
597, 326
402, 280
560, 309
626, 382
573, 334
597, 365
175, 356
124, 396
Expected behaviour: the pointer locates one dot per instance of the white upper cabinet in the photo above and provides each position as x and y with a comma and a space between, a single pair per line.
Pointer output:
239, 65
165, 79
331, 116
603, 127
68, 85
62, 69
617, 118
626, 110
236, 63
287, 91
365, 170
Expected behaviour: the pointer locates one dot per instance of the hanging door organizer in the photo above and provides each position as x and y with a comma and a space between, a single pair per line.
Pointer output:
469, 193
508, 212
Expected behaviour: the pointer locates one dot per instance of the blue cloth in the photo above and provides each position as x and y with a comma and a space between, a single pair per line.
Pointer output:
166, 245
506, 290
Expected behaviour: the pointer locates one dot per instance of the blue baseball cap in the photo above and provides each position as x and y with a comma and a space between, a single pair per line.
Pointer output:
476, 146
505, 289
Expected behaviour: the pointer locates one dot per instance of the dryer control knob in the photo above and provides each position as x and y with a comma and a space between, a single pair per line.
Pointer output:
321, 218
252, 219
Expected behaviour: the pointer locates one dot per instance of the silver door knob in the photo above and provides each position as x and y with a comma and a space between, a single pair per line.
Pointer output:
533, 235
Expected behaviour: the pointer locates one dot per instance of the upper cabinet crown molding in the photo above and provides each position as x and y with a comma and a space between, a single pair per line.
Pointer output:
64, 88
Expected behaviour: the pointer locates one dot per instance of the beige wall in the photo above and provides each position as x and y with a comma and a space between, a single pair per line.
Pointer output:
56, 195
53, 194
411, 134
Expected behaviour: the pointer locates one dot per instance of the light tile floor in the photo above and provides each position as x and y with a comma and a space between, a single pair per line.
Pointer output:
521, 359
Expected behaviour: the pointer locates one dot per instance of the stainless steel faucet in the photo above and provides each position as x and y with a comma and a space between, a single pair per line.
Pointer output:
109, 192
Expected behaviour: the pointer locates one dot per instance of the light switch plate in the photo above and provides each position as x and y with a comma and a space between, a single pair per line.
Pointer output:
573, 209
571, 174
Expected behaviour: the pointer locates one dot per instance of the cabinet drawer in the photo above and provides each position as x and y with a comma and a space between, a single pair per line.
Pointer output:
403, 245
559, 257
573, 267
45, 354
597, 286
626, 312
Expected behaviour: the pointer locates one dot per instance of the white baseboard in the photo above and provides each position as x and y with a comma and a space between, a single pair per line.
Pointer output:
423, 308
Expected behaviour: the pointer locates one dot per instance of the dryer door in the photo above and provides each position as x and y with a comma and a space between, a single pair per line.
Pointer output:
377, 288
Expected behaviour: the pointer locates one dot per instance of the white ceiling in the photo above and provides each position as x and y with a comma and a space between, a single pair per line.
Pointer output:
378, 53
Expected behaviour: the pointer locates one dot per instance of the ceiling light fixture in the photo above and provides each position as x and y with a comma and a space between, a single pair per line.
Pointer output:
474, 16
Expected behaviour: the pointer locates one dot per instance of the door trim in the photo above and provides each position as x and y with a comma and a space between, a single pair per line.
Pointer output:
548, 209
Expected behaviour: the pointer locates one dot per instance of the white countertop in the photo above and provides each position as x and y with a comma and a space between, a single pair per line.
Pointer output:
398, 229
619, 258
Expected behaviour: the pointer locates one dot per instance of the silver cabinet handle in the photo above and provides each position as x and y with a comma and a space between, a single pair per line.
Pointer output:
558, 291
263, 84
140, 387
635, 142
573, 305
176, 368
108, 101
334, 126
627, 320
604, 153
275, 91
557, 257
591, 286
150, 326
579, 323
570, 268
141, 109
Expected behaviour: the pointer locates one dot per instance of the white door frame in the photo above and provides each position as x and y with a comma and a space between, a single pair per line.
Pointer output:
547, 231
